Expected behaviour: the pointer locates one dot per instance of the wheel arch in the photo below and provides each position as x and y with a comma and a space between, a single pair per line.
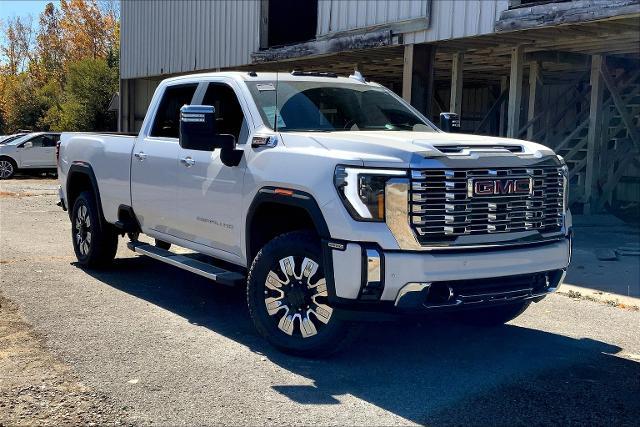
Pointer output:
264, 219
11, 159
82, 178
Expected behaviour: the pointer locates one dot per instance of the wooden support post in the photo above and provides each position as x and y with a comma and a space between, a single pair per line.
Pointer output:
455, 105
534, 76
594, 134
407, 72
515, 91
418, 76
504, 86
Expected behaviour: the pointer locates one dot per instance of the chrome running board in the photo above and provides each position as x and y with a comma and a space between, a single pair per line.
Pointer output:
224, 277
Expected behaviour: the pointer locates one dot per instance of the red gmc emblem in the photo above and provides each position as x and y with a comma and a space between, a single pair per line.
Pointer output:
499, 187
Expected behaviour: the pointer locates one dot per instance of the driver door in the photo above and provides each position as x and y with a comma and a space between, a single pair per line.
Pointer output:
210, 193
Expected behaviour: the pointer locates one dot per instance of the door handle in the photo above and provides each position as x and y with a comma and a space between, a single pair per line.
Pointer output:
187, 161
140, 156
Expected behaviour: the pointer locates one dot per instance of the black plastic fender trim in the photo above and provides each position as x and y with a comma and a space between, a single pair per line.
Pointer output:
82, 168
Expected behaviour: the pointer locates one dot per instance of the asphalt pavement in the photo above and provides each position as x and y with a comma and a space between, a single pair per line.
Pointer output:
174, 348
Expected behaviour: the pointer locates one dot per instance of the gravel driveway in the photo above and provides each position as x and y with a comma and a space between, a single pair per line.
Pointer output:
174, 348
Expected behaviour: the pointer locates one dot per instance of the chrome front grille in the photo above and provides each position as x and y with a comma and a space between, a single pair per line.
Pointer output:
442, 207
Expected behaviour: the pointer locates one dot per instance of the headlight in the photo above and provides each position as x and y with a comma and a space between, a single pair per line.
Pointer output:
362, 190
565, 185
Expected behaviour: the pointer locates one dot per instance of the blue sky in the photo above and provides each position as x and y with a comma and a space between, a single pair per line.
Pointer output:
12, 8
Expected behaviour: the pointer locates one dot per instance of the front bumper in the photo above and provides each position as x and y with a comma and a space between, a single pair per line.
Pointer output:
366, 277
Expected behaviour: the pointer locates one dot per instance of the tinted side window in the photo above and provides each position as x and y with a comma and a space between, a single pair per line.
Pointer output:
167, 120
50, 140
228, 113
37, 142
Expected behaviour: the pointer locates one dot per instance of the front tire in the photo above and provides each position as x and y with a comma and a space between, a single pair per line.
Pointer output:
287, 297
493, 316
95, 243
7, 168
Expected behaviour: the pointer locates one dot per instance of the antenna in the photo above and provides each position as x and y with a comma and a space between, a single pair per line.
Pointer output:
275, 111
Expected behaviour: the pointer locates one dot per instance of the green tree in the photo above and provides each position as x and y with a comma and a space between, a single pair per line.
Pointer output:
90, 84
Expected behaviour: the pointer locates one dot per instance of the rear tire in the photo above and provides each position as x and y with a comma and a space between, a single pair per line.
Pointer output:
287, 297
94, 242
493, 316
8, 168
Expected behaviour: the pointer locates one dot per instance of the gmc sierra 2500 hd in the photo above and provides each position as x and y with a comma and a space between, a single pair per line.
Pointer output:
330, 197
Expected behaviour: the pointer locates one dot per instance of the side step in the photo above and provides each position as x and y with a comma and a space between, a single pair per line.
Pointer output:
224, 277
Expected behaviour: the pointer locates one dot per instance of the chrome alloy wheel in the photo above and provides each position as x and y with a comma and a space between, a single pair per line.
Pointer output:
6, 169
82, 230
297, 303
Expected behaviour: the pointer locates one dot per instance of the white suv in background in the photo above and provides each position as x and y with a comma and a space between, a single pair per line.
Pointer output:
34, 151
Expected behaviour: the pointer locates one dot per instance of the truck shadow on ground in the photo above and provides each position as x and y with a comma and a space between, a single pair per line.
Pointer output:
427, 371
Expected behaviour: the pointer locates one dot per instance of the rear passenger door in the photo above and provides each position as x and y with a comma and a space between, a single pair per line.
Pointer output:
210, 193
154, 165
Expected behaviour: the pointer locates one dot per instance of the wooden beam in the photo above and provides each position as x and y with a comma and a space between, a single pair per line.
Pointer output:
492, 110
515, 91
504, 88
558, 57
534, 76
422, 77
407, 72
577, 11
593, 140
621, 106
455, 105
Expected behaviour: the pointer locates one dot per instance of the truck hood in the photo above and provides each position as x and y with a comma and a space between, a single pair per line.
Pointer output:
391, 148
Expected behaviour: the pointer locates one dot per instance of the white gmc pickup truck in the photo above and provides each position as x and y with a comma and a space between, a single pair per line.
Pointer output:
331, 199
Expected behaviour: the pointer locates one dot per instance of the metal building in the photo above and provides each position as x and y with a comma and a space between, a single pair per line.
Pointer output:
564, 73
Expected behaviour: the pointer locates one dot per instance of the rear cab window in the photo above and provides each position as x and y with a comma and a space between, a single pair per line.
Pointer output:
166, 123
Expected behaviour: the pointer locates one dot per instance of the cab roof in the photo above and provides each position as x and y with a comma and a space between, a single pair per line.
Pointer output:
257, 76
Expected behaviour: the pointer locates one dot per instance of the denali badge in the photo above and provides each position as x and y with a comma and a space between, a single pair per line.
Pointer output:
499, 187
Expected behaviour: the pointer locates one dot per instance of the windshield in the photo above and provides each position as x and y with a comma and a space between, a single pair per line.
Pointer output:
324, 107
11, 138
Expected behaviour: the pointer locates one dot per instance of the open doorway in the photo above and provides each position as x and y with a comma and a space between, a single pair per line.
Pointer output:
287, 22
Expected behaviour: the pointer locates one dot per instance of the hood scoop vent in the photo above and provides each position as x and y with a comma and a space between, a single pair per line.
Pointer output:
466, 149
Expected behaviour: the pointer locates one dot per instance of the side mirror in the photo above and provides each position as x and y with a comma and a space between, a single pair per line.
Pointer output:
450, 122
28, 144
198, 132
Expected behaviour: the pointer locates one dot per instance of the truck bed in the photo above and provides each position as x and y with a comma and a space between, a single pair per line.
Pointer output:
109, 156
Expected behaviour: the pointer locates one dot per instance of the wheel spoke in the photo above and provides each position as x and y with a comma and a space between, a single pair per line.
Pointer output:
309, 268
274, 305
307, 328
88, 238
320, 288
322, 312
273, 282
286, 323
288, 266
87, 221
